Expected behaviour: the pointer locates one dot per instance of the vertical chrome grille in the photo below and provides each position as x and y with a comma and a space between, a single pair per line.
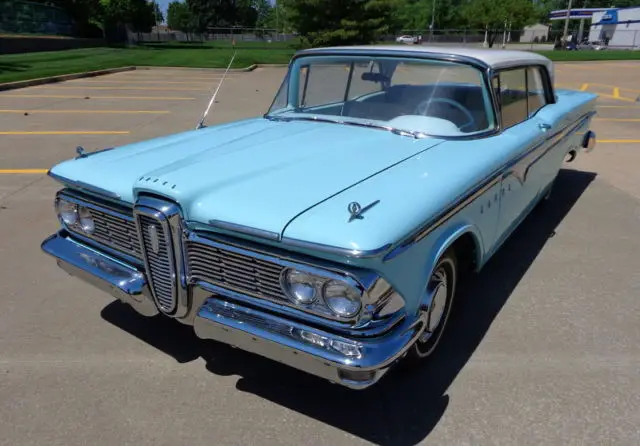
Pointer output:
157, 247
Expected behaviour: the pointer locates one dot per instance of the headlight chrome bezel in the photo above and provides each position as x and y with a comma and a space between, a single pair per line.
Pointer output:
86, 222
319, 279
73, 208
333, 302
83, 224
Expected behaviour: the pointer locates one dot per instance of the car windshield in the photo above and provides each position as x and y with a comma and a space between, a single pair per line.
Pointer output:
419, 97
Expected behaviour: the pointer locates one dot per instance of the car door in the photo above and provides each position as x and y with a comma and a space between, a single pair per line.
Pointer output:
521, 178
546, 161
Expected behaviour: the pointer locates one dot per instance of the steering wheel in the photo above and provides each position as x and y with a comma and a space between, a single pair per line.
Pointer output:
423, 107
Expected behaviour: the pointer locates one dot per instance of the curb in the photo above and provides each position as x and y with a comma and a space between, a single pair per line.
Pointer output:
67, 77
61, 78
273, 65
231, 70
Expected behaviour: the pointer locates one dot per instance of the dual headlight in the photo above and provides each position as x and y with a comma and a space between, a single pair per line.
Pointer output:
316, 292
75, 216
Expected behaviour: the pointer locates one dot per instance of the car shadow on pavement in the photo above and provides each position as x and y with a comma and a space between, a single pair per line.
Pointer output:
405, 406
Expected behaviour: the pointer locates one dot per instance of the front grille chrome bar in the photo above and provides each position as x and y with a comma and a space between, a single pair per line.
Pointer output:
158, 224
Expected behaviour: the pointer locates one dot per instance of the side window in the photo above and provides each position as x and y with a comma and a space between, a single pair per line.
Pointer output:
360, 87
303, 78
495, 85
316, 92
537, 97
513, 97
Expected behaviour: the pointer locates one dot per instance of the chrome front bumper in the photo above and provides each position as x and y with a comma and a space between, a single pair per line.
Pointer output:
353, 362
122, 281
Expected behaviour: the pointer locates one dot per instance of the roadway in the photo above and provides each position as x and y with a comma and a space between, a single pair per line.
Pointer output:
543, 348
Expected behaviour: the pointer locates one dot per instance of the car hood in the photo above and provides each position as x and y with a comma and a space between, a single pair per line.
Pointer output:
255, 173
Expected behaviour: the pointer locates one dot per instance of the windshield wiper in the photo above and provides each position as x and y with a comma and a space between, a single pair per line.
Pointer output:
413, 134
416, 135
304, 118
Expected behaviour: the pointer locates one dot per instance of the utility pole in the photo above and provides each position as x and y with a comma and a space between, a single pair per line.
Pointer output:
581, 29
433, 19
566, 23
276, 20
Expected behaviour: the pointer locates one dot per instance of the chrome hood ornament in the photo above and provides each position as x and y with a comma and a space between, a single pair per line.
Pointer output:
356, 210
82, 153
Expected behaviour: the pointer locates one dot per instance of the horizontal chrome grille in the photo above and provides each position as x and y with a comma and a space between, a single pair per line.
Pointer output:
117, 232
231, 270
159, 262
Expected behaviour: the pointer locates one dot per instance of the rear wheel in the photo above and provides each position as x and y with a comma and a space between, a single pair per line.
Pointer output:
442, 288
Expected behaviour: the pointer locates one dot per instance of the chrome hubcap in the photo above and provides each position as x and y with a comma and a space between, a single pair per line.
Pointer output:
438, 304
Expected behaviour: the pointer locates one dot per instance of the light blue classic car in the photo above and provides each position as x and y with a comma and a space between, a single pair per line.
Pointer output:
330, 233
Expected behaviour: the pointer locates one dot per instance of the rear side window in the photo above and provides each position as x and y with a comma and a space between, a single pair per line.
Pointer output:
513, 97
521, 93
537, 96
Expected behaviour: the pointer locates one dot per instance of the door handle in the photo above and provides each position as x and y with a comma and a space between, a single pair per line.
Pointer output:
544, 127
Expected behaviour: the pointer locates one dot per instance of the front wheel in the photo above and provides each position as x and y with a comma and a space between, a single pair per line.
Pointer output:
442, 288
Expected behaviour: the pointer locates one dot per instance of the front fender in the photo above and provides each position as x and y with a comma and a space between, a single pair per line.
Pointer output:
450, 236
410, 267
445, 240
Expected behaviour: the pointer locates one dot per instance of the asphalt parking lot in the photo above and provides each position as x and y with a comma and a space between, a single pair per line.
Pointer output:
543, 347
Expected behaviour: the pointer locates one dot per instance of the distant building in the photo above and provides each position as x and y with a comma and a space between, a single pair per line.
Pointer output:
582, 14
160, 29
617, 27
535, 33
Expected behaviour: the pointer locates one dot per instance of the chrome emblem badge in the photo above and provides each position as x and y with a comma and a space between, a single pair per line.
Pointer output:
356, 210
153, 238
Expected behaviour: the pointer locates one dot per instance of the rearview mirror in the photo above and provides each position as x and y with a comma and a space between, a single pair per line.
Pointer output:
374, 77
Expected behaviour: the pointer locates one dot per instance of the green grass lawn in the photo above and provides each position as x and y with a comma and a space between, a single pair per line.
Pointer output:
216, 54
240, 44
15, 67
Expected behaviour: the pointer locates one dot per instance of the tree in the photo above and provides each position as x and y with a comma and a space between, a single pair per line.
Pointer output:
496, 15
417, 14
179, 17
85, 13
339, 22
157, 12
136, 13
245, 13
264, 13
279, 17
228, 13
413, 15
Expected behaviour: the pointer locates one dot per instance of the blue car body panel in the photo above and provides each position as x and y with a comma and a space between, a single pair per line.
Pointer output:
260, 174
212, 220
297, 179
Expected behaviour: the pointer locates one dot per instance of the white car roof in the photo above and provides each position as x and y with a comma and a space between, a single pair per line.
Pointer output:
495, 58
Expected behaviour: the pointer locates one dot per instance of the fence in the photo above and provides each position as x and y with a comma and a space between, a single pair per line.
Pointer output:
615, 37
259, 36
22, 17
522, 39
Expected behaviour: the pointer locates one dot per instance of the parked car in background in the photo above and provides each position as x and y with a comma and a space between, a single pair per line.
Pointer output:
407, 39
331, 233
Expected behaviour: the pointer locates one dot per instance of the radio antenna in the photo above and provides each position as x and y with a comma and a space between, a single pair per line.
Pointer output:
213, 98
